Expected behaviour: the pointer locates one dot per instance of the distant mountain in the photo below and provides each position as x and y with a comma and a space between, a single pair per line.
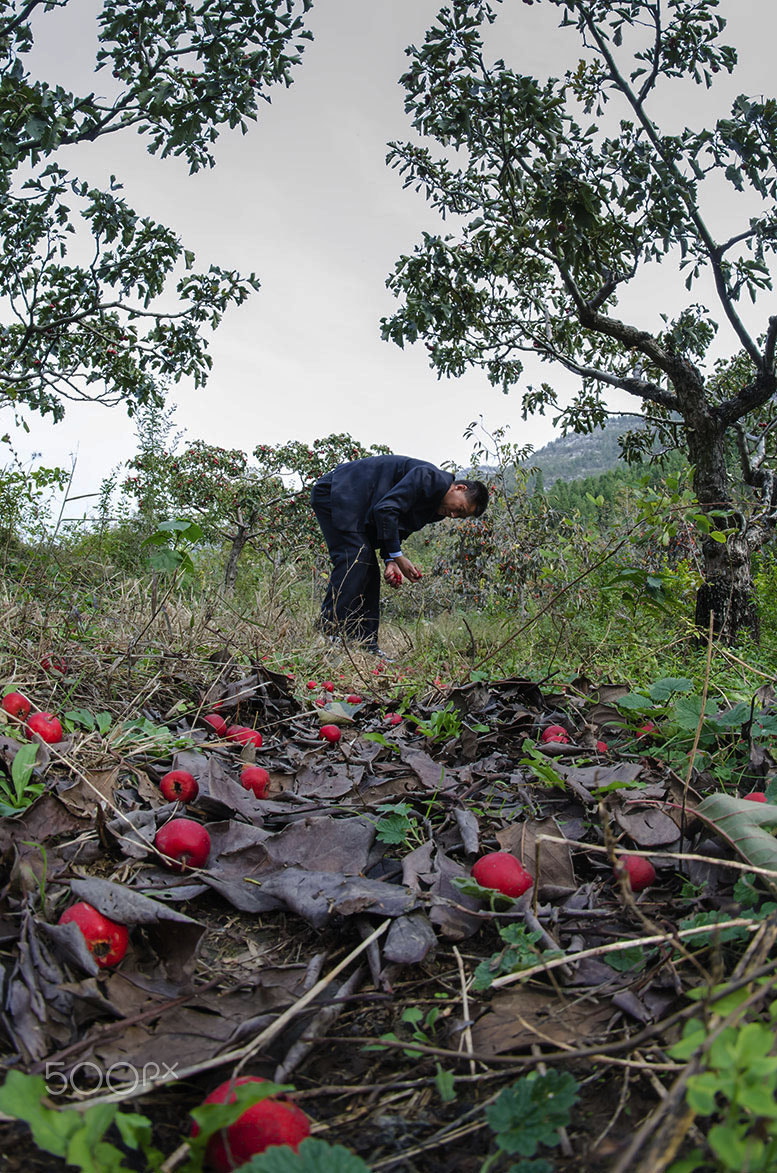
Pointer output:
571, 457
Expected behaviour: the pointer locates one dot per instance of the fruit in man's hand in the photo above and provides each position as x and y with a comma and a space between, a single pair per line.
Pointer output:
184, 844
503, 872
554, 733
179, 786
105, 939
244, 735
270, 1122
640, 871
46, 725
17, 705
217, 723
255, 778
330, 733
756, 796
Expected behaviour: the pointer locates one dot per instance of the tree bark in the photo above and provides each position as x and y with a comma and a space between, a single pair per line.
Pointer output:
727, 593
239, 541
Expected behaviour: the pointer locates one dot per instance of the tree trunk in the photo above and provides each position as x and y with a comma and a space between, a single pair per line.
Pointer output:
727, 593
239, 541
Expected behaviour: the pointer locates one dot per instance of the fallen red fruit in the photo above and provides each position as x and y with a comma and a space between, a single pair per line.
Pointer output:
311, 684
255, 778
183, 843
105, 939
328, 686
17, 705
53, 664
46, 725
353, 699
640, 871
555, 733
179, 786
244, 735
392, 719
756, 796
217, 723
270, 1122
503, 872
601, 747
330, 733
646, 730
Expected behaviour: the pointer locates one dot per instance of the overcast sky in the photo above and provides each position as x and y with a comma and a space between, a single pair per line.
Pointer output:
306, 201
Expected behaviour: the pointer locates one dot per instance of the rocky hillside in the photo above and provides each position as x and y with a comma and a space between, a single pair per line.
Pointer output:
572, 457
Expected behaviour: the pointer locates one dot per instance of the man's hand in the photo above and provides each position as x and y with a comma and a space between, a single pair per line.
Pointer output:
393, 575
407, 569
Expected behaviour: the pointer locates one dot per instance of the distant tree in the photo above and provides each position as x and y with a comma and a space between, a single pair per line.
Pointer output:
236, 503
555, 217
99, 303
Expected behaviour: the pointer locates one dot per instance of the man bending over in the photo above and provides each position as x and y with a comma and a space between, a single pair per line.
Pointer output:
373, 504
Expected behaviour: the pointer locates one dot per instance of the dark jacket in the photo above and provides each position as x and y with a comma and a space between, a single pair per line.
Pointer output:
387, 498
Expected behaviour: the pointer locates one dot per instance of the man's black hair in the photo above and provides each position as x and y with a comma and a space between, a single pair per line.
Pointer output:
477, 493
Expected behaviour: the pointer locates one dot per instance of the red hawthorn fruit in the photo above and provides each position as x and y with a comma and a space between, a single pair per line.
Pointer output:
392, 719
640, 871
311, 684
216, 723
184, 844
17, 705
105, 939
179, 786
54, 664
646, 730
244, 735
353, 699
554, 733
601, 747
503, 872
47, 727
330, 733
270, 1122
255, 778
756, 796
328, 686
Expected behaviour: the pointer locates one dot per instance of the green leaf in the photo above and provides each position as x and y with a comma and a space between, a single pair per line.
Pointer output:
104, 722
636, 702
22, 767
446, 1084
80, 717
627, 959
663, 689
313, 1156
532, 1111
742, 824
21, 1097
165, 560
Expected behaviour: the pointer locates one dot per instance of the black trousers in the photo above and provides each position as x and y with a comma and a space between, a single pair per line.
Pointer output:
351, 606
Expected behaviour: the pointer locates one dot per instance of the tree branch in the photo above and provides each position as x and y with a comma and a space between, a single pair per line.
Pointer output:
713, 250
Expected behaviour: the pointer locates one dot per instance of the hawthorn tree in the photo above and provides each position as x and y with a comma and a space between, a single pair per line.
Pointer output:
236, 503
99, 303
567, 193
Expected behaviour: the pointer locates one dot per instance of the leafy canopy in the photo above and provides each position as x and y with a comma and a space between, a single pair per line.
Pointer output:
100, 303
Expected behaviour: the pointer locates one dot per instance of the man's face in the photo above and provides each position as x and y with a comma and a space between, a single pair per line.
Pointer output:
456, 503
